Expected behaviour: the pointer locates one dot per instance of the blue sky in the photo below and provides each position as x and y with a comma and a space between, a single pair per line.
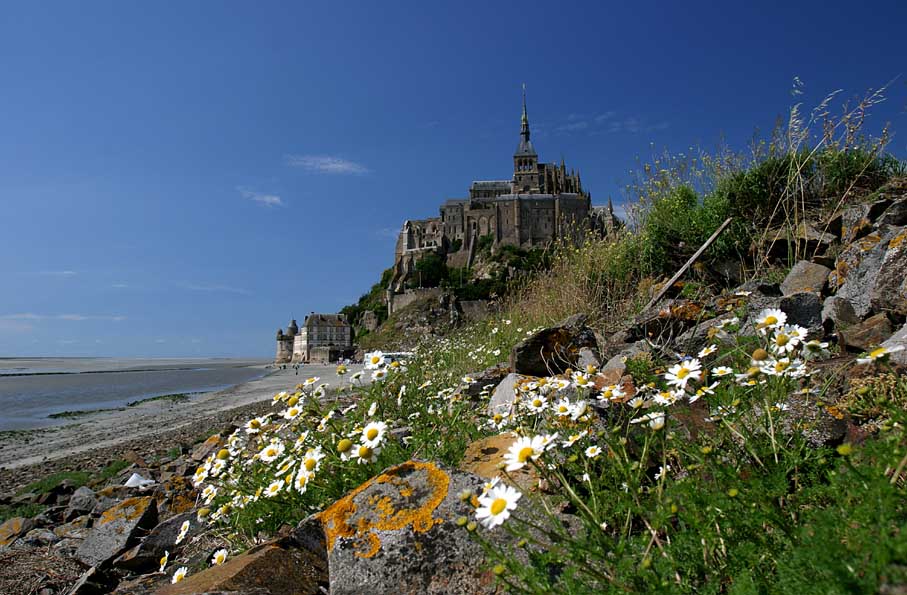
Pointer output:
179, 178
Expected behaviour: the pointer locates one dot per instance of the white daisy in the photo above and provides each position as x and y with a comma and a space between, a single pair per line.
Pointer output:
271, 451
219, 557
770, 318
373, 433
562, 408
722, 371
374, 360
179, 575
522, 451
593, 451
366, 454
274, 488
879, 354
679, 374
705, 351
495, 507
184, 529
163, 561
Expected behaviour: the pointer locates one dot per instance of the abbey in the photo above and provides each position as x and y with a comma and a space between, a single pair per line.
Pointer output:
540, 203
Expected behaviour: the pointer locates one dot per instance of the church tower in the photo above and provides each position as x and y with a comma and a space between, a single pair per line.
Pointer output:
526, 178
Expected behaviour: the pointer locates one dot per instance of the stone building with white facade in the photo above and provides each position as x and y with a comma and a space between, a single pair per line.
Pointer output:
322, 338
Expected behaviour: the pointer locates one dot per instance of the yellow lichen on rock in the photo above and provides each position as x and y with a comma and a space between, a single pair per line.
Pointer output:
387, 511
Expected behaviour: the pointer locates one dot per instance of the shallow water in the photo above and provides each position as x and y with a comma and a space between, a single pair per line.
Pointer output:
33, 389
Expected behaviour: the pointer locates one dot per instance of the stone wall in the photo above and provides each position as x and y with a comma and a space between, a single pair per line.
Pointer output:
399, 301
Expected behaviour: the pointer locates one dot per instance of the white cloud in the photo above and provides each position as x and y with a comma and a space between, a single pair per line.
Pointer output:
266, 200
66, 317
326, 164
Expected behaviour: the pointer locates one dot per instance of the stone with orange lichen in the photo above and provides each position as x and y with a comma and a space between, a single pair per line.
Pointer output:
116, 528
396, 533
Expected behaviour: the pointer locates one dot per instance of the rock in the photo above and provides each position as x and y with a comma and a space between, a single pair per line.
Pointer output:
814, 421
116, 528
899, 339
615, 366
275, 568
14, 528
665, 320
694, 339
81, 502
838, 313
553, 350
144, 557
889, 293
805, 239
397, 533
483, 457
868, 334
77, 528
92, 582
587, 358
203, 450
40, 537
484, 381
804, 308
858, 266
806, 276
895, 214
501, 401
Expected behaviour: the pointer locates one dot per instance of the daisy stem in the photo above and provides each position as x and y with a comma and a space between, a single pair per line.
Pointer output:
576, 499
771, 429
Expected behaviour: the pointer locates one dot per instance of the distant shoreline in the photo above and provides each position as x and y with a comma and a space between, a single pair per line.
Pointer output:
12, 374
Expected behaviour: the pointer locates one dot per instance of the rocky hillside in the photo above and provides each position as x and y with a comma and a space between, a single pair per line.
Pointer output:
780, 403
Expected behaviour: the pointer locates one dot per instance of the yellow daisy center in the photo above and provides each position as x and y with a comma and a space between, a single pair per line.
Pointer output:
683, 373
371, 434
344, 445
498, 506
365, 452
310, 464
876, 353
781, 340
770, 320
525, 453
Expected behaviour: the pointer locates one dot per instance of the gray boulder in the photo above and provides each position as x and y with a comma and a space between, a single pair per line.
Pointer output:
806, 276
804, 308
502, 398
397, 533
82, 501
116, 529
857, 268
889, 292
899, 339
145, 556
838, 313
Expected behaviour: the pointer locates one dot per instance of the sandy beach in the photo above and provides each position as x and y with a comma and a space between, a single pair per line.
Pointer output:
146, 429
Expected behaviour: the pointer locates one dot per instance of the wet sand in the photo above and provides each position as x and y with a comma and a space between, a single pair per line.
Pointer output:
149, 422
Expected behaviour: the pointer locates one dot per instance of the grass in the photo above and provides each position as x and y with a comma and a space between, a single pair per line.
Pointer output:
77, 478
21, 510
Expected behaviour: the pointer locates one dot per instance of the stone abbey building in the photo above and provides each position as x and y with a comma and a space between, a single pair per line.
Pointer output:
322, 338
540, 203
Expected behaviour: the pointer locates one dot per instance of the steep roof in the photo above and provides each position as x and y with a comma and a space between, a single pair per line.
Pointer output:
314, 319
